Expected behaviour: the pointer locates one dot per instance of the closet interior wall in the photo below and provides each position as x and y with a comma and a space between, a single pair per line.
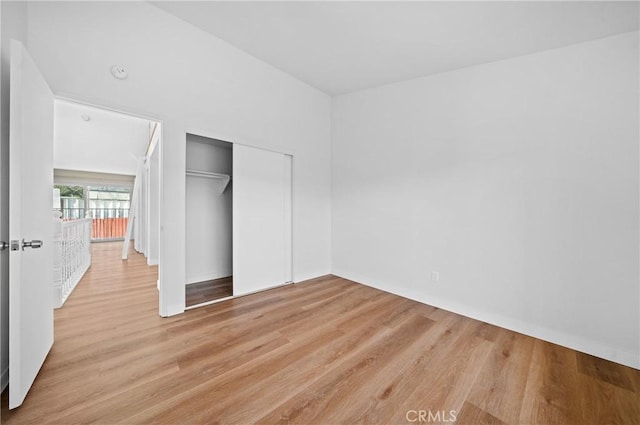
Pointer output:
209, 200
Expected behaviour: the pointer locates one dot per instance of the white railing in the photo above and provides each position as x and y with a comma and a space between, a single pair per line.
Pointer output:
72, 256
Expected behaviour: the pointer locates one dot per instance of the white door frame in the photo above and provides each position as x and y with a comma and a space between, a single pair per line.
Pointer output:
157, 146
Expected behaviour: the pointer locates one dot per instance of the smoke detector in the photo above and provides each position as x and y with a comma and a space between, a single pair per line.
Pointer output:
119, 72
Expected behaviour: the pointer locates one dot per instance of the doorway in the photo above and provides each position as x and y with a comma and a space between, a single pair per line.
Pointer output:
238, 220
106, 176
208, 205
33, 125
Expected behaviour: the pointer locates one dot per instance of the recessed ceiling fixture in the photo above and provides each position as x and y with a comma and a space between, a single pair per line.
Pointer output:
119, 72
85, 117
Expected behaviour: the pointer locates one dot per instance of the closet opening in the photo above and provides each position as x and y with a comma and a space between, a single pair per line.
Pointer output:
209, 225
239, 228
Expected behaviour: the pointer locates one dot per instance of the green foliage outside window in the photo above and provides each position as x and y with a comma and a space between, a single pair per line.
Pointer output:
70, 191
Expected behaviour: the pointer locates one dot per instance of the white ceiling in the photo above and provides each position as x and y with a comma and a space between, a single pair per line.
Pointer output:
341, 47
109, 142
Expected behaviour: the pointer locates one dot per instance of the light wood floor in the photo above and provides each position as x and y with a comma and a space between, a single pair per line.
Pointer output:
210, 290
327, 351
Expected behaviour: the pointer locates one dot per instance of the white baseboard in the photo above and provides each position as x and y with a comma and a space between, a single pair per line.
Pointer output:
173, 310
208, 276
4, 379
564, 339
308, 276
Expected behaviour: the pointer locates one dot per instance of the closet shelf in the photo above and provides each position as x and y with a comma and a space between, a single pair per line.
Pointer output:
210, 175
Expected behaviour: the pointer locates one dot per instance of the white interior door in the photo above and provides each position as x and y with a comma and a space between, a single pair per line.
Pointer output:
261, 219
30, 219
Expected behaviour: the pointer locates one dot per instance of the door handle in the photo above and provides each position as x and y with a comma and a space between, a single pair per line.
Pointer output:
3, 245
34, 244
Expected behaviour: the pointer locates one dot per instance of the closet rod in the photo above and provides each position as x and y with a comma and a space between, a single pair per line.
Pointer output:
208, 174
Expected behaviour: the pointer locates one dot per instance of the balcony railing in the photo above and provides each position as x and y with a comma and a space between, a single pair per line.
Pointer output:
107, 223
72, 256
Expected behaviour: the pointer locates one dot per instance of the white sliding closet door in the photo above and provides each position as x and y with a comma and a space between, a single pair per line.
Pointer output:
261, 219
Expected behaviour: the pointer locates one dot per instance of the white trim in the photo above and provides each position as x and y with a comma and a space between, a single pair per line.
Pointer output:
207, 276
263, 289
236, 296
294, 277
288, 219
206, 303
564, 339
309, 276
195, 131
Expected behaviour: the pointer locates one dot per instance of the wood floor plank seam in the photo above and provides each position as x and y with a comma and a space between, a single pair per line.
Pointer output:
325, 351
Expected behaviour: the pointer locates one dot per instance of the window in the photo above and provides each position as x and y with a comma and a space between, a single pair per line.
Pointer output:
107, 206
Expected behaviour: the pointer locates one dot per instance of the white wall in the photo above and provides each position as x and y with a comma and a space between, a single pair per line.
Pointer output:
517, 181
191, 80
13, 25
109, 142
209, 224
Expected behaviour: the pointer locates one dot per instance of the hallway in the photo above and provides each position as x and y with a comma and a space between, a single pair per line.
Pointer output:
94, 337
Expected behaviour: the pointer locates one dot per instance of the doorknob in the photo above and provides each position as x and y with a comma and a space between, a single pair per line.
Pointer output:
31, 244
3, 245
